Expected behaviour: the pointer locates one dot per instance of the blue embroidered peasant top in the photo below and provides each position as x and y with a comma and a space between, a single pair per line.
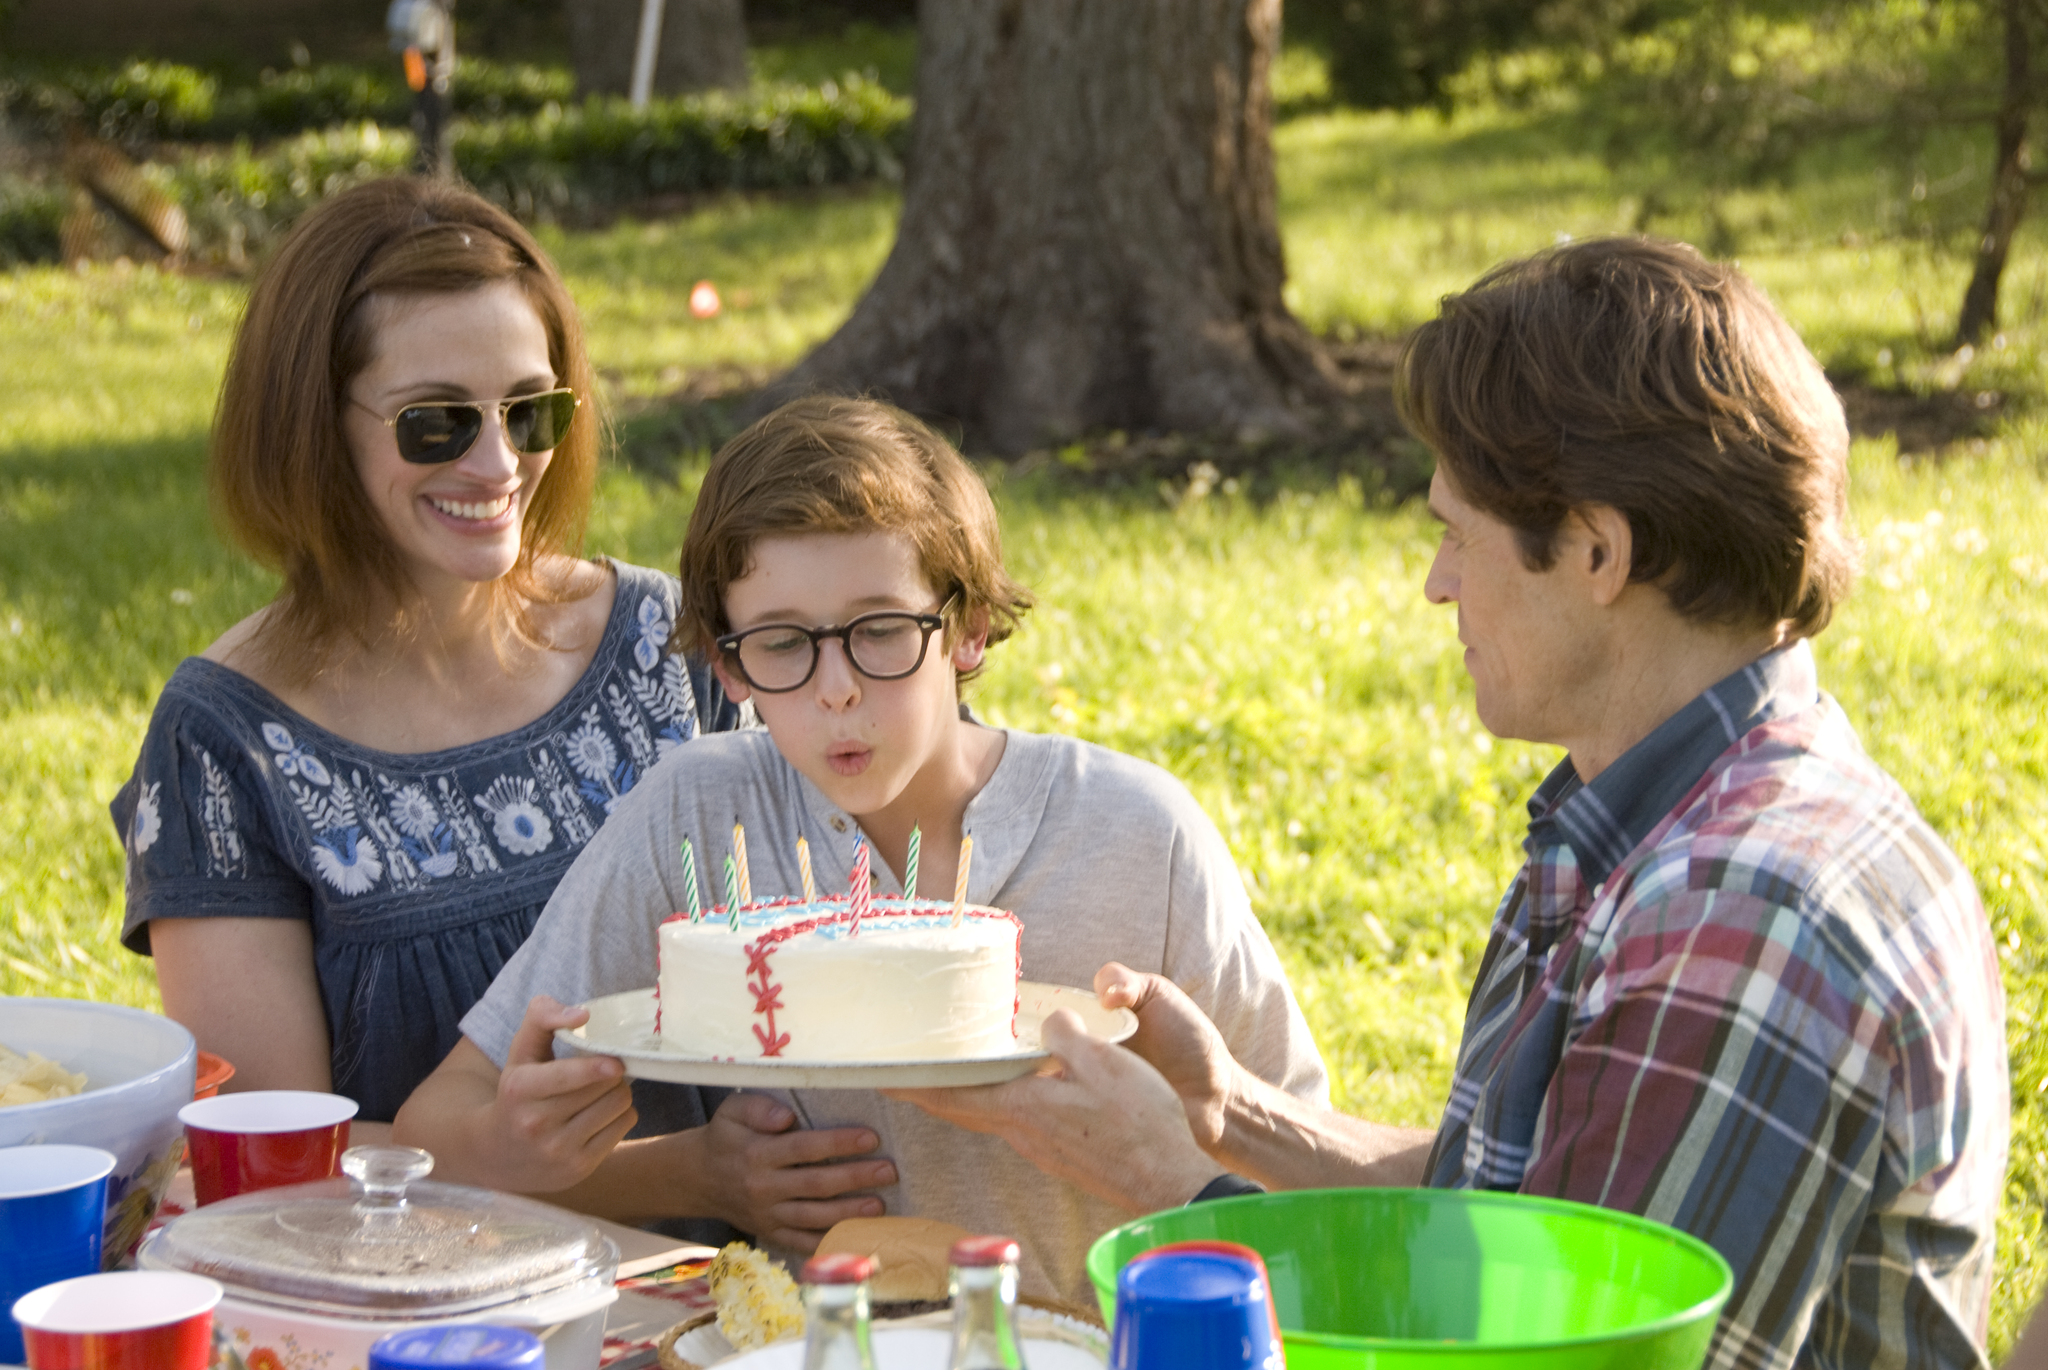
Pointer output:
420, 873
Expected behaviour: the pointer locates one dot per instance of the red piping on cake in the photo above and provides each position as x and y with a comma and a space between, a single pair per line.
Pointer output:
767, 995
767, 999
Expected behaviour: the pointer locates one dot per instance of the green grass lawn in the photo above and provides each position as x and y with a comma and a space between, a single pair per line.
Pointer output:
1278, 657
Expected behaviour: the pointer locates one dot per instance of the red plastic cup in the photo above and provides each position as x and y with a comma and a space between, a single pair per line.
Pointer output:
129, 1320
263, 1138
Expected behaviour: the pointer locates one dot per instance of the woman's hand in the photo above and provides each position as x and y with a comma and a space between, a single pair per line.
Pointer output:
787, 1187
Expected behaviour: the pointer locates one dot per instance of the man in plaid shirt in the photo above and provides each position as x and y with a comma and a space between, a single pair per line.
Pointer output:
1739, 985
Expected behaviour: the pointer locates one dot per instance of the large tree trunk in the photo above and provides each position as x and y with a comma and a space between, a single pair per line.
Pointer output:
1088, 237
2009, 181
703, 45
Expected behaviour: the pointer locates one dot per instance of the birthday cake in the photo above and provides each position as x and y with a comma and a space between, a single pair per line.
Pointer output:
807, 980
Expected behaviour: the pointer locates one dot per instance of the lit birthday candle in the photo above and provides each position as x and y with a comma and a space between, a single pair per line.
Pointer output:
692, 901
910, 866
960, 880
732, 895
803, 866
860, 894
739, 854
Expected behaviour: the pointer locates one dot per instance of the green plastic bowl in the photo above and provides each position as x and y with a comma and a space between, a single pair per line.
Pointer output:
1389, 1279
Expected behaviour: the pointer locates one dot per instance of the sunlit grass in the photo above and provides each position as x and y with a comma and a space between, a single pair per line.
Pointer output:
1279, 658
787, 271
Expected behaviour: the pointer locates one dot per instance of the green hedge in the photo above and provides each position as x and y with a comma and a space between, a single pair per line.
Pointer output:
239, 197
149, 102
29, 215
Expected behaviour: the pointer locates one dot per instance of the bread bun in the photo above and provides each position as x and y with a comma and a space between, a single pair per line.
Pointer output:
910, 1254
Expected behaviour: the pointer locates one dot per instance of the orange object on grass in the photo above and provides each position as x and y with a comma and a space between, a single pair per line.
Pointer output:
214, 1071
704, 302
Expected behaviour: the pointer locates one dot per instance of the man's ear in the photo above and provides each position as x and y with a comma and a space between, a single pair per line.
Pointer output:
1604, 549
736, 689
971, 645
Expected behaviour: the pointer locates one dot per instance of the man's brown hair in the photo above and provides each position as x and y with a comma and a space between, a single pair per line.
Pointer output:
1636, 374
284, 481
829, 464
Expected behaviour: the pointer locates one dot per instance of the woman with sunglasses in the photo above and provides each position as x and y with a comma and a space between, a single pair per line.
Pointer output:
349, 811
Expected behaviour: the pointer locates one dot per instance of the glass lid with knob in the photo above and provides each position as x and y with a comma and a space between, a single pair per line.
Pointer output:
385, 1241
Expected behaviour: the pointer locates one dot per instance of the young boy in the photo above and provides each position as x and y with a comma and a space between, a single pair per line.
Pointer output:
826, 511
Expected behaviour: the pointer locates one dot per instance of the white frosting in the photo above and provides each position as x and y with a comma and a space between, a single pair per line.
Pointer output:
908, 986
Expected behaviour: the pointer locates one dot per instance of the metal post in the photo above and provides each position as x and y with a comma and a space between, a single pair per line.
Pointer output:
644, 54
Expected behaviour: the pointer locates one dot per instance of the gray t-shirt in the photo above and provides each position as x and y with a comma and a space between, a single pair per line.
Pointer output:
1102, 858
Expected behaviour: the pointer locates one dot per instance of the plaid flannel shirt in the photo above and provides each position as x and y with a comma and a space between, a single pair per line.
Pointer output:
1742, 988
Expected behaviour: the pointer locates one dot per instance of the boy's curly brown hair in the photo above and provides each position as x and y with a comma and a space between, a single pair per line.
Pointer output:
830, 464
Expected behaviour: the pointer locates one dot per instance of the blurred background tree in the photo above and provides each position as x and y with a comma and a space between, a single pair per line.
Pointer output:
1728, 94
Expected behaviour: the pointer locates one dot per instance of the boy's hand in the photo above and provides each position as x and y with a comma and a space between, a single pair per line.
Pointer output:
555, 1120
788, 1187
1179, 1040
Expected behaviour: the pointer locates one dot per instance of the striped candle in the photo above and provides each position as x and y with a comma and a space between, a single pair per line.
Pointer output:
739, 854
732, 895
910, 866
803, 866
960, 880
860, 893
695, 904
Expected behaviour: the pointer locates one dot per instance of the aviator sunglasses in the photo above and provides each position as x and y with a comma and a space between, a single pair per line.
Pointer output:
436, 431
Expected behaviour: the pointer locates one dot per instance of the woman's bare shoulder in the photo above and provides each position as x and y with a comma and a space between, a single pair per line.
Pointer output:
582, 593
236, 648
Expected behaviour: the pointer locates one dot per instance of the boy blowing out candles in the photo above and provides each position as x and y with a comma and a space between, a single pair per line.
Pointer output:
825, 513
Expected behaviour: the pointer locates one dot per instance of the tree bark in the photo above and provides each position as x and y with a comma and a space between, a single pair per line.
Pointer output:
703, 45
1089, 237
2009, 181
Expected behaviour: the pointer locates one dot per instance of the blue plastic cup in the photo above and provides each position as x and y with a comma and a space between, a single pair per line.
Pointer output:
474, 1345
53, 1207
1194, 1310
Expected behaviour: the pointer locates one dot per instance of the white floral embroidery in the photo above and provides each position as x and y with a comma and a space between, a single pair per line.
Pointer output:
564, 801
293, 759
144, 827
428, 840
667, 698
464, 825
591, 752
323, 811
347, 860
400, 869
654, 629
414, 812
225, 858
517, 821
596, 758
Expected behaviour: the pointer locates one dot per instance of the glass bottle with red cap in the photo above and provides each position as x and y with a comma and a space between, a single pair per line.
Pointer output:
983, 1284
836, 1312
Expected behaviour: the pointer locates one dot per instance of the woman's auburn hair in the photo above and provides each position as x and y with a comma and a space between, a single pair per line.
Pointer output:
832, 464
283, 478
1634, 373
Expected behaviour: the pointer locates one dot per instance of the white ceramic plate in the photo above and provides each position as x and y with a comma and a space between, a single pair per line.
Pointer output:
916, 1344
622, 1025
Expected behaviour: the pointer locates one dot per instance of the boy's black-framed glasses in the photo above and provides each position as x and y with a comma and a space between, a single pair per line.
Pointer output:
776, 658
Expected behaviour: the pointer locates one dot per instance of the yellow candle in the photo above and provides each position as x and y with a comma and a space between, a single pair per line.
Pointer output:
803, 864
960, 880
739, 853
